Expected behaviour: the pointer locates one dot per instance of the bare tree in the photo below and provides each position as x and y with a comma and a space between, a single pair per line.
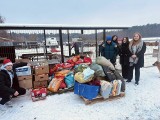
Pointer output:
2, 19
3, 33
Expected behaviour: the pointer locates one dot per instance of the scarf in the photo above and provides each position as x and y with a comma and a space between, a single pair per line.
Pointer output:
135, 47
11, 74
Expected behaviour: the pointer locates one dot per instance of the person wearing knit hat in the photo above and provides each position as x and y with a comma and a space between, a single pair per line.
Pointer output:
9, 85
109, 50
7, 62
108, 38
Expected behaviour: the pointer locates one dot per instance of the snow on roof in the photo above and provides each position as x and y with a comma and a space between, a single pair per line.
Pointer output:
62, 25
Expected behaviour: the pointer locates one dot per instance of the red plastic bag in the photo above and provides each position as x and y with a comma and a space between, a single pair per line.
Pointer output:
87, 60
67, 65
79, 61
63, 85
73, 59
56, 68
70, 61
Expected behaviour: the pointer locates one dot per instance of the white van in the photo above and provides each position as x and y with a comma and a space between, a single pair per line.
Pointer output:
51, 42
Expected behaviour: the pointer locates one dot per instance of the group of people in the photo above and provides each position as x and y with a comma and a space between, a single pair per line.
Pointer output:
131, 57
131, 54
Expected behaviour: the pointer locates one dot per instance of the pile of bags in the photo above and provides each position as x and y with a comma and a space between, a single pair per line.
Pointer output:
88, 79
98, 78
63, 73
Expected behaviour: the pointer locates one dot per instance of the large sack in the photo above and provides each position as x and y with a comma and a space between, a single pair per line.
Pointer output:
80, 68
87, 60
73, 59
62, 73
69, 80
119, 77
110, 76
105, 89
103, 61
114, 88
118, 87
55, 84
101, 78
98, 69
79, 77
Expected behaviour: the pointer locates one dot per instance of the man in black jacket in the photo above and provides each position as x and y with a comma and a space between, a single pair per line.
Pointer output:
9, 86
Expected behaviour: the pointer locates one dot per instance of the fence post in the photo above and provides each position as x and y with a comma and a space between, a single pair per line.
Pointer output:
82, 44
69, 46
45, 52
96, 42
61, 45
158, 59
104, 35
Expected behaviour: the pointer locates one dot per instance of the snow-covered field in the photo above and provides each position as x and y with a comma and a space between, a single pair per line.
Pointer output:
141, 102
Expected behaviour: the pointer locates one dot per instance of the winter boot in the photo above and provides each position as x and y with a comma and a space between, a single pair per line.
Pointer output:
136, 83
128, 81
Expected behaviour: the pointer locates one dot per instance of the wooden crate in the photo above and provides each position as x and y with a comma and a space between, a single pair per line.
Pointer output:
100, 98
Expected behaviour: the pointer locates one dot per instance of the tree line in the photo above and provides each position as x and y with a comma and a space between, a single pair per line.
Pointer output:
149, 30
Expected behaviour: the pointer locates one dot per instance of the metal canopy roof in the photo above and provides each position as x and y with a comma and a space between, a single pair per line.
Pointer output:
51, 26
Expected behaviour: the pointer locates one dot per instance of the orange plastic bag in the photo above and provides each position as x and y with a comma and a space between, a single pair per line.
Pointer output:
55, 84
62, 73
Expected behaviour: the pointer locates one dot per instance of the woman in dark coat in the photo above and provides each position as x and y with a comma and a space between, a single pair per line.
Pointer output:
124, 54
115, 39
9, 85
137, 48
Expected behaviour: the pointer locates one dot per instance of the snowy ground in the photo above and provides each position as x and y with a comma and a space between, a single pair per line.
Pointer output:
141, 102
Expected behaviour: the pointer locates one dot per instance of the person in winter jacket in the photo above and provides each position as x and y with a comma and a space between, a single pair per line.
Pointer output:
76, 46
9, 86
124, 54
109, 50
136, 60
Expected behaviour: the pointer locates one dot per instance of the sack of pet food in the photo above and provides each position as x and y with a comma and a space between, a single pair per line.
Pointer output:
38, 94
54, 85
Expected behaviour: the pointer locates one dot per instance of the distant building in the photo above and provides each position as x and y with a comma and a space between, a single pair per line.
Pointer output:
5, 42
26, 44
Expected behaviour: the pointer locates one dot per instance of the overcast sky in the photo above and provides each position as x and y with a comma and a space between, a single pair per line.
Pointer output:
81, 12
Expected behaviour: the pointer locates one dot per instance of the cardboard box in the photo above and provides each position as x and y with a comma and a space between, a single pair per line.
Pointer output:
22, 60
24, 77
38, 70
41, 77
25, 82
23, 71
40, 84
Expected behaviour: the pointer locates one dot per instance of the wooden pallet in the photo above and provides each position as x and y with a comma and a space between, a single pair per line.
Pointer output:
100, 98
